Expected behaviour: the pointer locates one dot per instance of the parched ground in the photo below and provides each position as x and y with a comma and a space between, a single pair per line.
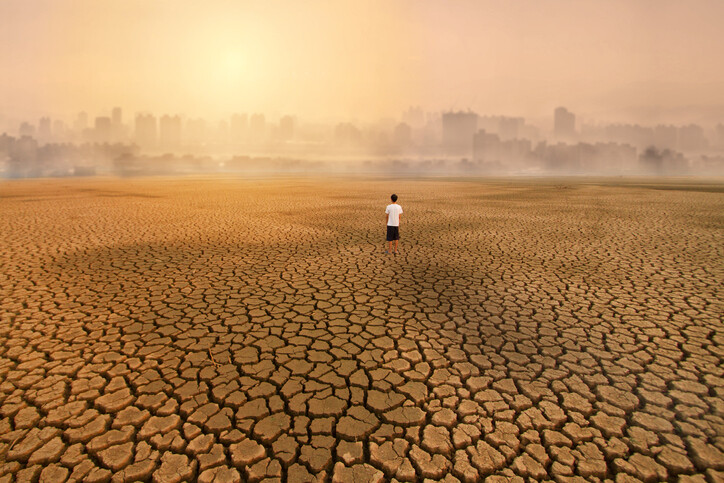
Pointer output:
234, 330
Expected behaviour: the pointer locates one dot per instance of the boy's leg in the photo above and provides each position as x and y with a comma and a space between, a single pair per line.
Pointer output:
396, 245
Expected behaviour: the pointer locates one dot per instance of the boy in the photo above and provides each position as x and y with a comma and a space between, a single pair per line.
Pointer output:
393, 223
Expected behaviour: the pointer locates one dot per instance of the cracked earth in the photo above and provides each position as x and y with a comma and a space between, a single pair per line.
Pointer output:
230, 330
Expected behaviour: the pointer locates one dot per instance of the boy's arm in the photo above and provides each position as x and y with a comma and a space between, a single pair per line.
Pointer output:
387, 218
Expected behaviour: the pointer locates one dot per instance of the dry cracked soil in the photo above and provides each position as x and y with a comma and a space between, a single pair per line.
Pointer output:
255, 330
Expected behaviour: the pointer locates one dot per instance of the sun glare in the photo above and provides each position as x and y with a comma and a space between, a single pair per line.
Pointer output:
232, 65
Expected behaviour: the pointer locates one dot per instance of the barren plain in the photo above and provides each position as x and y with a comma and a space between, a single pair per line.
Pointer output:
247, 330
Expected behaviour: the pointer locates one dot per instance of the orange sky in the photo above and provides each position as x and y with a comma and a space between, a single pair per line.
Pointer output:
361, 59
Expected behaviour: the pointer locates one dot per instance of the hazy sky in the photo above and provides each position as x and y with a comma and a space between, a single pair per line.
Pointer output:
359, 59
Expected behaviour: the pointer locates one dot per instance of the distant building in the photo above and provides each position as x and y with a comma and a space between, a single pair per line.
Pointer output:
510, 127
170, 132
579, 158
44, 130
560, 157
346, 134
607, 158
504, 126
528, 131
486, 147
666, 137
633, 134
286, 128
117, 116
691, 138
5, 142
719, 135
117, 124
654, 161
403, 135
564, 127
195, 132
708, 165
26, 129
239, 129
257, 128
146, 134
221, 136
81, 122
489, 124
59, 131
102, 126
458, 129
23, 155
414, 117
491, 151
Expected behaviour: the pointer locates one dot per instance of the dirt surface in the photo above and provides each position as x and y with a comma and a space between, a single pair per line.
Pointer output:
237, 330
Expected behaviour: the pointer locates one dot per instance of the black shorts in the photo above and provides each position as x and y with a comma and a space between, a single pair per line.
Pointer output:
393, 233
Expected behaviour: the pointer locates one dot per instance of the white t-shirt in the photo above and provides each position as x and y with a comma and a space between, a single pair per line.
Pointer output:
394, 210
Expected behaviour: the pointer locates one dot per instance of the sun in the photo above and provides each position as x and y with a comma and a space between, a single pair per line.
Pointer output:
232, 65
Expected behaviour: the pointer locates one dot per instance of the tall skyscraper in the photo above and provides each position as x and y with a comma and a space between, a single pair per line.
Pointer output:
564, 124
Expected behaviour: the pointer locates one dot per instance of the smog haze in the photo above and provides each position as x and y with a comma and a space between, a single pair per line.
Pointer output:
620, 60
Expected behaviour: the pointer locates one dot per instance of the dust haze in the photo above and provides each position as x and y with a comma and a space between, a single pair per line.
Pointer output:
480, 88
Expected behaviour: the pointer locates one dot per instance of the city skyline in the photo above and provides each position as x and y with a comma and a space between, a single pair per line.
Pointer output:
423, 143
151, 128
640, 61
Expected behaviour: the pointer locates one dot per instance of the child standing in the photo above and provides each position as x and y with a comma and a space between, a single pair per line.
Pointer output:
393, 224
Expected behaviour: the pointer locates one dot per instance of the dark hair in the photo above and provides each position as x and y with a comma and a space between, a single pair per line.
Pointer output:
393, 197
